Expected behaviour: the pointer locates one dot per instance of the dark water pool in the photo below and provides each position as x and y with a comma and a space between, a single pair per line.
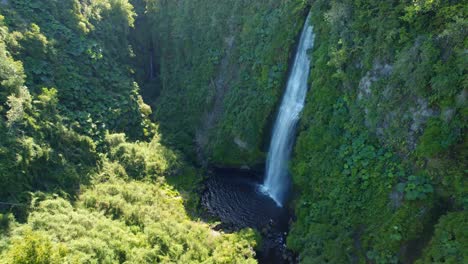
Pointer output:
235, 197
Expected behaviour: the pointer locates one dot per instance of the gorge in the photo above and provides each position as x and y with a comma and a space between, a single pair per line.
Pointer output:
243, 202
157, 131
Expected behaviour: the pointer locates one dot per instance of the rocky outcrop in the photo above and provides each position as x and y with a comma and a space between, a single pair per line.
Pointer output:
410, 116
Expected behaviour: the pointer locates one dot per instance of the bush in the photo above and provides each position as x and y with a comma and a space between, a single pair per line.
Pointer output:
34, 247
117, 222
142, 160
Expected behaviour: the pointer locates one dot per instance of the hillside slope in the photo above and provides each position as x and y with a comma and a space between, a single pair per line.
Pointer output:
84, 177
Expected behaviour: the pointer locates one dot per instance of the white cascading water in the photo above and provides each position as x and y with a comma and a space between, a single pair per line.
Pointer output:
277, 181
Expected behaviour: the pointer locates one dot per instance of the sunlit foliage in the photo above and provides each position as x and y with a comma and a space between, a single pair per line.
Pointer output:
122, 222
381, 155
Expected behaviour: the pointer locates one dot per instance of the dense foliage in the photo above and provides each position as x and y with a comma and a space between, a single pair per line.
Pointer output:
86, 176
75, 186
122, 222
82, 50
382, 152
38, 152
221, 69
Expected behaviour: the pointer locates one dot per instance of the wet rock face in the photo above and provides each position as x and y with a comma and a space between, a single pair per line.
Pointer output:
396, 198
420, 113
240, 143
221, 85
274, 248
379, 71
389, 123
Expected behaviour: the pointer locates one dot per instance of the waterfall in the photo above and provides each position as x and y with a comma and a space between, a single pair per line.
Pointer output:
277, 181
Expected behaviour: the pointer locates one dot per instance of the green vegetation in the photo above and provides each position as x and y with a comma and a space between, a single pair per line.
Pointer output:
449, 241
122, 222
84, 177
382, 153
81, 49
225, 62
90, 173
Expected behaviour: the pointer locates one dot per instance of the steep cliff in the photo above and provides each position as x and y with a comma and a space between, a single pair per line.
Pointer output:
382, 151
221, 72
89, 172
